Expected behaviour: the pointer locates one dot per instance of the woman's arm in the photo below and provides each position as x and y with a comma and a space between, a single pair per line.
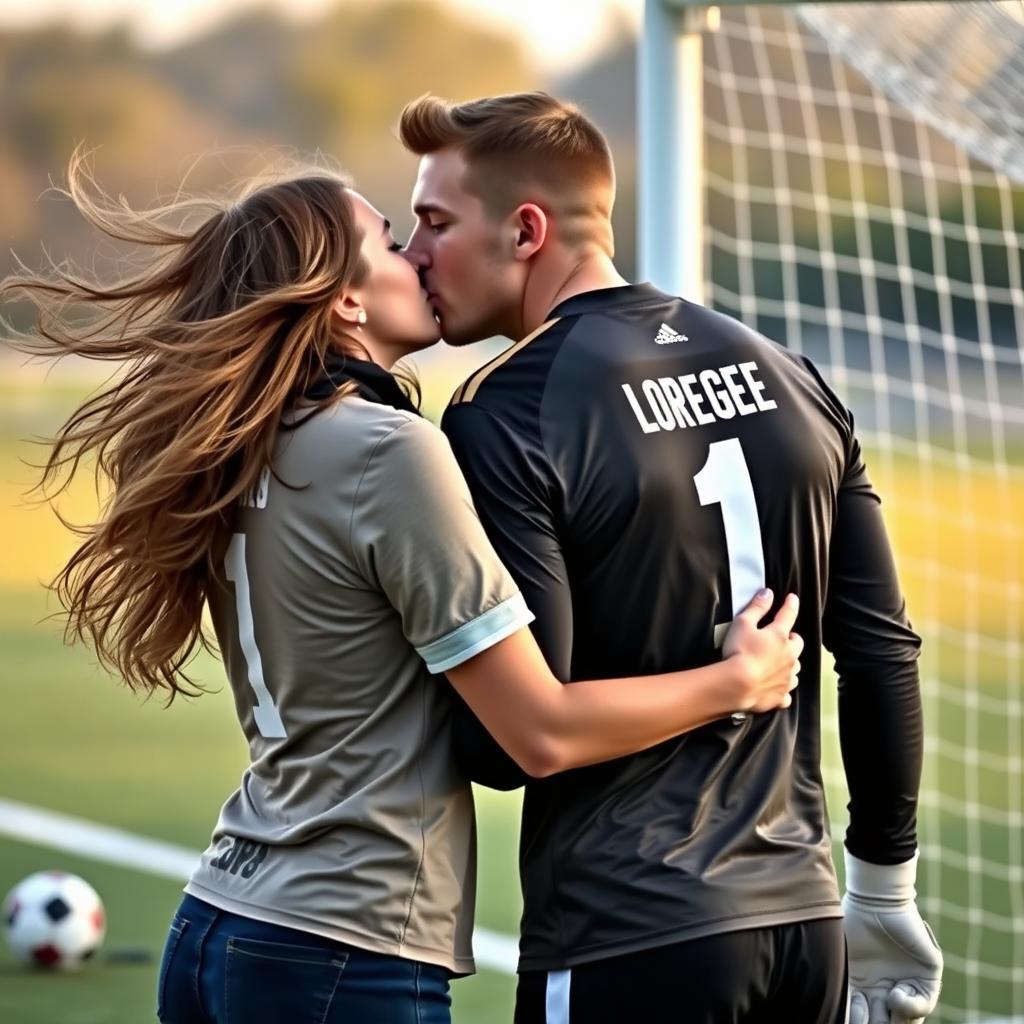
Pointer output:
548, 727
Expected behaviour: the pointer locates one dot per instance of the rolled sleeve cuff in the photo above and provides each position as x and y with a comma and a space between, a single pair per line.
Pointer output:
473, 637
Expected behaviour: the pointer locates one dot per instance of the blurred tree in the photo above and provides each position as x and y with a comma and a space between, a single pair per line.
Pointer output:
17, 217
333, 85
358, 67
354, 72
237, 73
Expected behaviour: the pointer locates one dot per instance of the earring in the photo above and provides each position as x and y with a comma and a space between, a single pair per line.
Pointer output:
361, 317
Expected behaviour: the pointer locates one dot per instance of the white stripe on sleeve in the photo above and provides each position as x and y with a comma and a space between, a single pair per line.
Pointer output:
477, 635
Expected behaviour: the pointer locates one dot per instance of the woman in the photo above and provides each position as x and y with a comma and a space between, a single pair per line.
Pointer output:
265, 463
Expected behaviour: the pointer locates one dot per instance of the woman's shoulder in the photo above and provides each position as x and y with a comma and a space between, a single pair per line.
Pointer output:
357, 430
352, 419
404, 464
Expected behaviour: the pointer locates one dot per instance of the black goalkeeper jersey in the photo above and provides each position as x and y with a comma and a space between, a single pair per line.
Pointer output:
642, 466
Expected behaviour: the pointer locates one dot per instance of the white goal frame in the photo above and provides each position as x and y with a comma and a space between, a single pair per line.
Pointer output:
670, 142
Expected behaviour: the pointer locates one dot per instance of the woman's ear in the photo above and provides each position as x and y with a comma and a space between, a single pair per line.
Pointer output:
349, 307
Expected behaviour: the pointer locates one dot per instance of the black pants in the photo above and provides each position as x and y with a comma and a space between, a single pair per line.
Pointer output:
789, 974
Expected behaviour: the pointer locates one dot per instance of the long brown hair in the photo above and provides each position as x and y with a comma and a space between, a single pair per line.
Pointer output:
225, 322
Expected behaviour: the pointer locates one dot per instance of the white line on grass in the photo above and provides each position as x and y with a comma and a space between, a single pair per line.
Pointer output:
167, 860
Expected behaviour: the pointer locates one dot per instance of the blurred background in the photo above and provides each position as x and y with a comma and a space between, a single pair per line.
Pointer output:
844, 219
203, 93
154, 87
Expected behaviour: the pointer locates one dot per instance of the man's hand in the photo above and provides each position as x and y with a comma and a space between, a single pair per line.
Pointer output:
895, 962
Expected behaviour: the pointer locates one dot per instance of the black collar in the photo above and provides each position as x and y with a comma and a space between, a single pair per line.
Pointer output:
373, 382
601, 300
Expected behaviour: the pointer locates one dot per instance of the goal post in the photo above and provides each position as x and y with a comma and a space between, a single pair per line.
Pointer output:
670, 219
848, 179
670, 148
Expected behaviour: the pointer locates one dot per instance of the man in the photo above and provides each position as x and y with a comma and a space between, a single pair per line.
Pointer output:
642, 465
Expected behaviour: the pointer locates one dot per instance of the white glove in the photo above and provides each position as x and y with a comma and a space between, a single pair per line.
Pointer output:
895, 962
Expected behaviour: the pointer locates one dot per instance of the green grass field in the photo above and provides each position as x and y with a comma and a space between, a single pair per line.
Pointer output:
73, 741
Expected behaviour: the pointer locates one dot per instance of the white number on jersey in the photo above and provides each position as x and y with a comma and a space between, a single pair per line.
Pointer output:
268, 719
725, 481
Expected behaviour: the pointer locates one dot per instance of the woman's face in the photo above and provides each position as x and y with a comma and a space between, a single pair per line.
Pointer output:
399, 319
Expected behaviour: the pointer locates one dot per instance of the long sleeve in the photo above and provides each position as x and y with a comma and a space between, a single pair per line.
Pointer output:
876, 652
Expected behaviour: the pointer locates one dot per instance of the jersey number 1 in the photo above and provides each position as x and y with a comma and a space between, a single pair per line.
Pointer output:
725, 480
265, 713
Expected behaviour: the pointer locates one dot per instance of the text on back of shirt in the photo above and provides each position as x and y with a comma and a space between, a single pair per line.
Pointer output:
698, 399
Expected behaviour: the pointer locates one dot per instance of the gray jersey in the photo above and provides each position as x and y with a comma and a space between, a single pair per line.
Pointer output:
356, 569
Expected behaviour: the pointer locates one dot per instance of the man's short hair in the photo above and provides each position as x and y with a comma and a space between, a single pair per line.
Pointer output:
519, 148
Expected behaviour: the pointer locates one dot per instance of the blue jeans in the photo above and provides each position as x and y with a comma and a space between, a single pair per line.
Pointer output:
220, 968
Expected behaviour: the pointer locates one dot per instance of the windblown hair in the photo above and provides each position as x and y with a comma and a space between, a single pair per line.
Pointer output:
522, 147
225, 323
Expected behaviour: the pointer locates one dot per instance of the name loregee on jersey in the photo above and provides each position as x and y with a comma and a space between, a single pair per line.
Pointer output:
697, 399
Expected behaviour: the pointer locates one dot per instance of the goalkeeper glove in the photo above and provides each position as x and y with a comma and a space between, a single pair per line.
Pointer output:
895, 962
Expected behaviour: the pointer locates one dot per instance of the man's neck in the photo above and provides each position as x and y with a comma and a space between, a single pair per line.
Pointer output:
546, 288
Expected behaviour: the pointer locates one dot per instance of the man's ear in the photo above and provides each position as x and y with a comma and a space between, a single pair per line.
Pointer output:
349, 307
530, 224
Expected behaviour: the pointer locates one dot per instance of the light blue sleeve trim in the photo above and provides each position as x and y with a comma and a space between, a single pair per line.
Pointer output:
477, 635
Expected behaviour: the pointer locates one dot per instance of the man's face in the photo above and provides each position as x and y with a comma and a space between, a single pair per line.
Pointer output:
473, 282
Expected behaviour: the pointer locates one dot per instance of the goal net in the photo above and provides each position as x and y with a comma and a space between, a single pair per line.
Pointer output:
865, 206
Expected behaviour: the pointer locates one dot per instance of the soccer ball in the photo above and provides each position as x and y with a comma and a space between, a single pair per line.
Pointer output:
54, 919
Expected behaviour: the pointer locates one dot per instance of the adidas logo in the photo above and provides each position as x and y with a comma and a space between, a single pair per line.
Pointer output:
666, 336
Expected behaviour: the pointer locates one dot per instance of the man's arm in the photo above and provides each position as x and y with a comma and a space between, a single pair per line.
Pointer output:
865, 626
513, 494
895, 962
